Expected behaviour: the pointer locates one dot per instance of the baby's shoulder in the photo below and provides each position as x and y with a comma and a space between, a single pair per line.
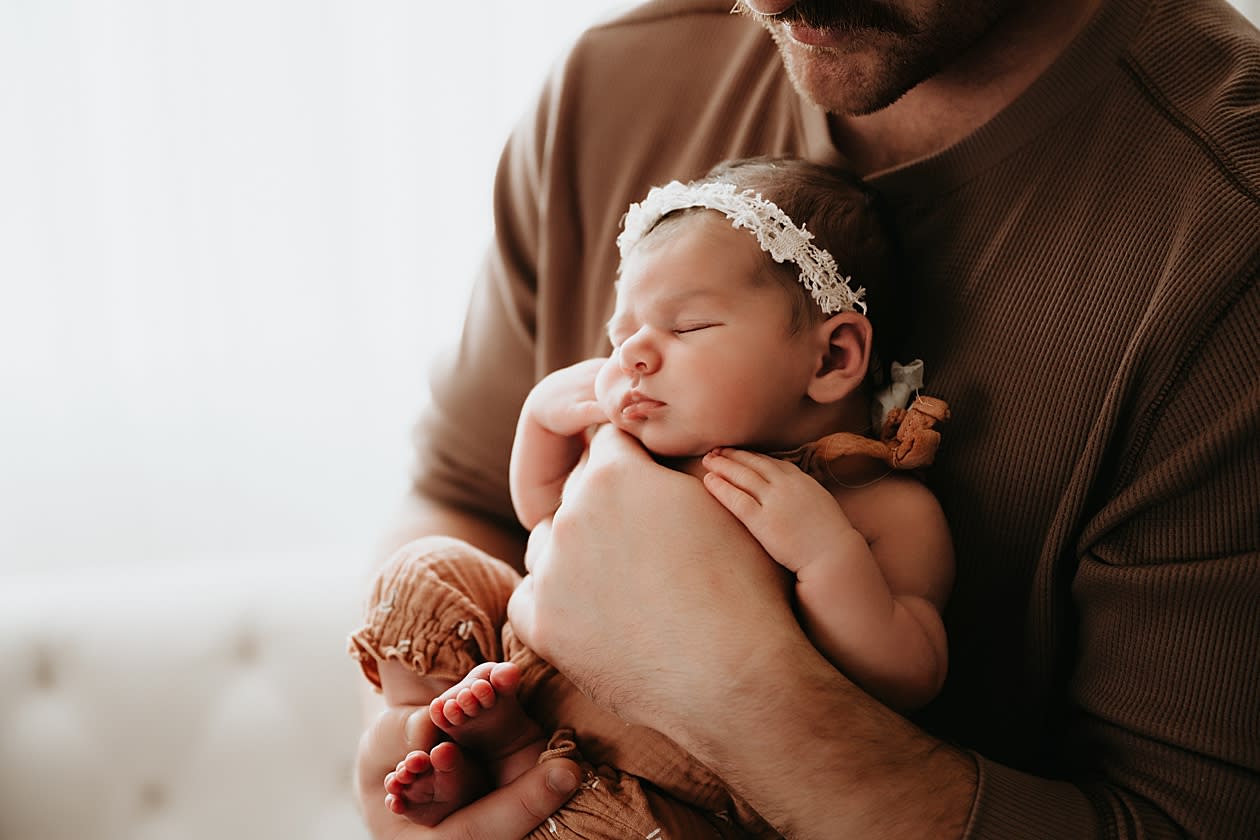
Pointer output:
888, 503
889, 487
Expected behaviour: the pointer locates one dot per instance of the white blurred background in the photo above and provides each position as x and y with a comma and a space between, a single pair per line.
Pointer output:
232, 234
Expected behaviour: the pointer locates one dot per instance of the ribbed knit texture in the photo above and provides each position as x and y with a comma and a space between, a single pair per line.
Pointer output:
1085, 299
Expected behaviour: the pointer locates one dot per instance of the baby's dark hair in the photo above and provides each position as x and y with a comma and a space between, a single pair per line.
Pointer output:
844, 216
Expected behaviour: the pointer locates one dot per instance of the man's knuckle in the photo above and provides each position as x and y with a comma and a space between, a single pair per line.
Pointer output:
603, 474
535, 809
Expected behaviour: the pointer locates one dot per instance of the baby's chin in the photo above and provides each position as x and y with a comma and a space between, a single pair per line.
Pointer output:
674, 450
662, 443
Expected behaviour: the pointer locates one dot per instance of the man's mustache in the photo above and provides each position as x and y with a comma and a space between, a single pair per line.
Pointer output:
844, 15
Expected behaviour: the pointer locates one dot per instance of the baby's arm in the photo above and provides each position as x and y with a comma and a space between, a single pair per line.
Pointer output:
870, 584
550, 438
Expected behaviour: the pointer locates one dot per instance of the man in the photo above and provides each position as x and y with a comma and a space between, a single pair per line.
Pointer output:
1077, 186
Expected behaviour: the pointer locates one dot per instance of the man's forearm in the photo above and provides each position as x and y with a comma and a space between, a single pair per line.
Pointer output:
872, 773
422, 517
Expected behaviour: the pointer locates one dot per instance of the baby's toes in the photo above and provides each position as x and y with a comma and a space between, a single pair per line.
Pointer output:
417, 762
392, 786
398, 779
468, 702
505, 678
453, 713
413, 767
484, 693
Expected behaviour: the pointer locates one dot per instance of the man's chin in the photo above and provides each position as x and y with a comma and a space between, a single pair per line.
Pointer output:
845, 88
853, 82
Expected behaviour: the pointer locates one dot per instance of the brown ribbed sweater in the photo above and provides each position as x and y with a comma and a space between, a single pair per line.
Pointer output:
1085, 298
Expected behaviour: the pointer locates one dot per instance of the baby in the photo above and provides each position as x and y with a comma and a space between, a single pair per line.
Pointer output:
740, 354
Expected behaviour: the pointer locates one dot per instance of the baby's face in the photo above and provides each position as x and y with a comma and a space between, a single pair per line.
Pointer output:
702, 355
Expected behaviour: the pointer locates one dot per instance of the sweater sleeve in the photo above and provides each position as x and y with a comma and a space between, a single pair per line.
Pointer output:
1164, 701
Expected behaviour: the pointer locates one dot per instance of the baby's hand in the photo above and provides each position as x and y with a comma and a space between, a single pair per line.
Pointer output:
564, 402
793, 516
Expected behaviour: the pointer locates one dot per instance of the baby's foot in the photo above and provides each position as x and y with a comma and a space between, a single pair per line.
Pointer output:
482, 713
426, 787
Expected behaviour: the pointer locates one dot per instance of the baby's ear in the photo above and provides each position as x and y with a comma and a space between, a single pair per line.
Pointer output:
844, 342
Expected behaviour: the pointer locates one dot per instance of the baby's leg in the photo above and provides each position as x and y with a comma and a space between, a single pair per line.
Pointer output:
434, 613
482, 713
426, 787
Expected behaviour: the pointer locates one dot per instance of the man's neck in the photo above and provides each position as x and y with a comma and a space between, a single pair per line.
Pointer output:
968, 93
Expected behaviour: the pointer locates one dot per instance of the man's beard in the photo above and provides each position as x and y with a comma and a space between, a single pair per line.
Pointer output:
889, 53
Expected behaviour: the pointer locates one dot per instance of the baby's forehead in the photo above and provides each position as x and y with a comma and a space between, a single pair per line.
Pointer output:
692, 243
695, 223
632, 296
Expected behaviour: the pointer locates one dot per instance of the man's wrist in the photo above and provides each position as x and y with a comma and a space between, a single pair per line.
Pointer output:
860, 753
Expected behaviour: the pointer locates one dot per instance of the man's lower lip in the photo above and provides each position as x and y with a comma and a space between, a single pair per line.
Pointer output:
812, 37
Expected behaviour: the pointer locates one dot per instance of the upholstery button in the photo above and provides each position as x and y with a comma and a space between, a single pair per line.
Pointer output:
43, 673
152, 796
247, 648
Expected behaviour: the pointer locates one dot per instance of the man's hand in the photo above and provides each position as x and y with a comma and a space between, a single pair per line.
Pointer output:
644, 587
512, 811
657, 603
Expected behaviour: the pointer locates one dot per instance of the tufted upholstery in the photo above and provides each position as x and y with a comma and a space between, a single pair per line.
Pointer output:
163, 706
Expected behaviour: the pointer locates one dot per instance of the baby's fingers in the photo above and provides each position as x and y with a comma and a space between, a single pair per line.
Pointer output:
744, 506
764, 465
746, 470
588, 413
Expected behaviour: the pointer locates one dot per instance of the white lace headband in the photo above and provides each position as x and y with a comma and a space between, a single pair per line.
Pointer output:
775, 232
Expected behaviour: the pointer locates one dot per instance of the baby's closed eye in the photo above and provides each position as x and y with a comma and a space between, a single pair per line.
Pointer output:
691, 328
